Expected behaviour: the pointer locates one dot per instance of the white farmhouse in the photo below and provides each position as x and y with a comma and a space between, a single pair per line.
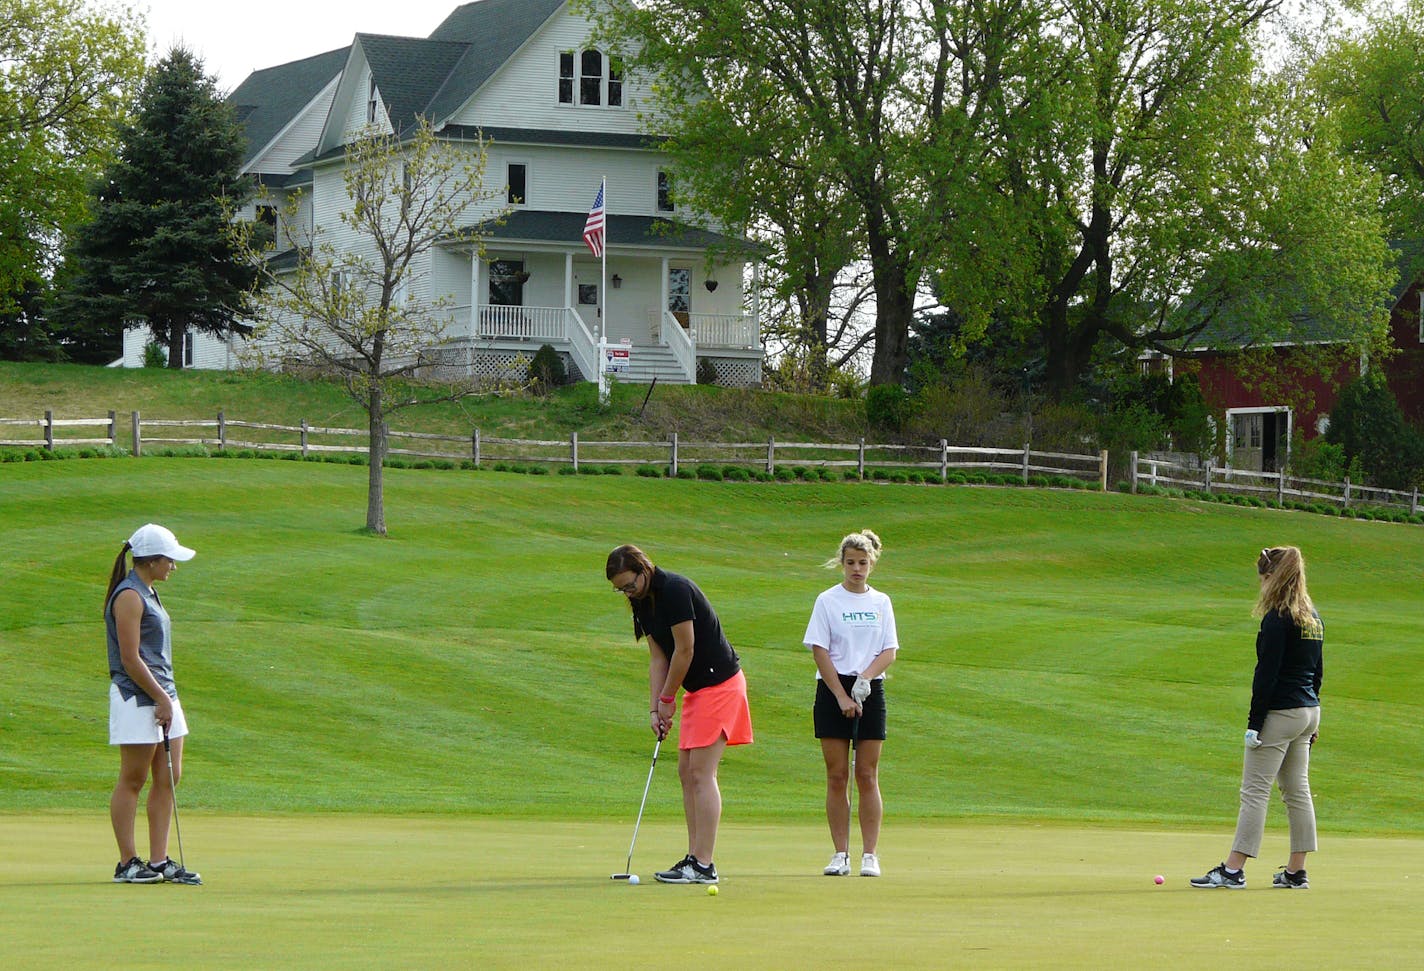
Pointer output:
560, 116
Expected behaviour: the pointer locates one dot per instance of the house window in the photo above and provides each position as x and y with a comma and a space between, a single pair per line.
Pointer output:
506, 283
517, 179
566, 77
267, 216
595, 80
372, 100
679, 289
590, 78
187, 349
588, 294
615, 82
1246, 431
665, 202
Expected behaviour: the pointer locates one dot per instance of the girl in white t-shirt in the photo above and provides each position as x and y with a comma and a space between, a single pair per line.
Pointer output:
852, 638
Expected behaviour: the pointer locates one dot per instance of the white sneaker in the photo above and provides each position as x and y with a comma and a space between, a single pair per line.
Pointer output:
839, 865
870, 865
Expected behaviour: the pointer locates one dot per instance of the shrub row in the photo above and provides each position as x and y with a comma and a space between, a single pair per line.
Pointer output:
1377, 513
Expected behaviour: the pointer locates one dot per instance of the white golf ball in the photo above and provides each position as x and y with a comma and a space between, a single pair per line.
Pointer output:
633, 879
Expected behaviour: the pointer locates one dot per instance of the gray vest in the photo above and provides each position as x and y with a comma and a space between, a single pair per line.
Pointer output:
155, 646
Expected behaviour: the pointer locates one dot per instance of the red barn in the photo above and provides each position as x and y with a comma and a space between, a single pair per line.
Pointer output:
1262, 415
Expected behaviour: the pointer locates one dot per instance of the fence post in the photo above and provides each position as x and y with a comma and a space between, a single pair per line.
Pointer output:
673, 448
475, 447
770, 454
49, 430
137, 436
113, 430
1132, 472
573, 449
1103, 469
304, 438
1281, 488
222, 432
943, 459
1206, 477
860, 459
1025, 464
1346, 502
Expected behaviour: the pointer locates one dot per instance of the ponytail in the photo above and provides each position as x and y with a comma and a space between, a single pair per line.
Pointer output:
117, 574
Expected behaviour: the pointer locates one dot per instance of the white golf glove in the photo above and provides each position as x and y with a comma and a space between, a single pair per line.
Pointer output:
1253, 740
860, 690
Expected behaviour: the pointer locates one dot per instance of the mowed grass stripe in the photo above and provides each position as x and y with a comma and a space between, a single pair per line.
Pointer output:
1067, 656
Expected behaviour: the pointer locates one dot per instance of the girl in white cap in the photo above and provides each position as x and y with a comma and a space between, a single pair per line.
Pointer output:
143, 703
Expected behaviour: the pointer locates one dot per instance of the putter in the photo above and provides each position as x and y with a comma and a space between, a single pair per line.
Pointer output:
173, 783
628, 867
850, 788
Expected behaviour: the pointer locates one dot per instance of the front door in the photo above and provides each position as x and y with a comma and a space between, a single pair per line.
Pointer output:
588, 295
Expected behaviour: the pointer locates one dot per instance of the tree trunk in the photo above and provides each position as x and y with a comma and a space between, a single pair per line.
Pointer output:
175, 347
894, 310
375, 481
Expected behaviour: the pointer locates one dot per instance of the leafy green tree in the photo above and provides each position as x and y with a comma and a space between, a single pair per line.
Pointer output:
68, 71
1367, 423
1089, 173
1371, 84
793, 118
160, 248
350, 312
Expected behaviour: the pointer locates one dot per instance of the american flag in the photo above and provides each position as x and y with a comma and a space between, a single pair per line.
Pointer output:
593, 229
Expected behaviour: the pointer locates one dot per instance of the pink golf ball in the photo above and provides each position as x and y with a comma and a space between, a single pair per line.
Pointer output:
1159, 879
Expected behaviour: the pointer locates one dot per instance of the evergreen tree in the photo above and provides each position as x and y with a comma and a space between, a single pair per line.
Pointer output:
160, 249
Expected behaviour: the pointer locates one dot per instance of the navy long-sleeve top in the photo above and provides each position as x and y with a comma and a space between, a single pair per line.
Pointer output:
1289, 666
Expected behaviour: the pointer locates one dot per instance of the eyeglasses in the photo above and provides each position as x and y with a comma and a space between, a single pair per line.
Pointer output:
630, 586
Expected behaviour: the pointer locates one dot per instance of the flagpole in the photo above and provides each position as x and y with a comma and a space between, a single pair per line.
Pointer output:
603, 300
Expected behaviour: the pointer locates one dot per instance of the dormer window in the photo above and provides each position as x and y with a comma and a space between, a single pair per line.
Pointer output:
372, 101
665, 198
590, 78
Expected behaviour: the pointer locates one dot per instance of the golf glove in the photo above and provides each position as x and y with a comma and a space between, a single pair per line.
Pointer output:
1253, 740
860, 690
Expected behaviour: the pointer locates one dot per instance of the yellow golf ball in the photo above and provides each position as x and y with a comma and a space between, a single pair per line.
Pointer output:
712, 891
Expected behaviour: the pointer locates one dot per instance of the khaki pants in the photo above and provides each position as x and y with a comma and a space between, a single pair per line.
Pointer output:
1283, 757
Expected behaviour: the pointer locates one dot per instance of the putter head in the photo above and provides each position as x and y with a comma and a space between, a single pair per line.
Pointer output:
619, 876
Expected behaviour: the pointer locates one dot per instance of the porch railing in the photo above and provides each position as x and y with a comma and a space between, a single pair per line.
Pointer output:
680, 343
494, 321
582, 347
724, 330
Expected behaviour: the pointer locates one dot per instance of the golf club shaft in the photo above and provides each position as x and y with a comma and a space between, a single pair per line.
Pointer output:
648, 785
850, 787
173, 787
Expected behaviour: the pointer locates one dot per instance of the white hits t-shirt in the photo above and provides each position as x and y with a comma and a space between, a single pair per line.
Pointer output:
852, 627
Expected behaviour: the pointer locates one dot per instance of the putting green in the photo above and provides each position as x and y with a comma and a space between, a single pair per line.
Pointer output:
401, 892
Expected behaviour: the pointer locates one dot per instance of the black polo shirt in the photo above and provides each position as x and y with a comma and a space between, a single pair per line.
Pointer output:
671, 600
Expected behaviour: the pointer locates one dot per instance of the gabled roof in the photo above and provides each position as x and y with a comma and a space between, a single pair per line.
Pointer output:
408, 71
494, 30
1230, 329
269, 99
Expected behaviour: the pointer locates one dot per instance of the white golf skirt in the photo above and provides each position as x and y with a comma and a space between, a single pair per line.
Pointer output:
130, 724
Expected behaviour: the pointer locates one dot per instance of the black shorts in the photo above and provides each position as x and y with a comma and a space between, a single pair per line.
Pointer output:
830, 723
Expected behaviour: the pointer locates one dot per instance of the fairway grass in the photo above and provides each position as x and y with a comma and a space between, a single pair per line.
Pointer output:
352, 892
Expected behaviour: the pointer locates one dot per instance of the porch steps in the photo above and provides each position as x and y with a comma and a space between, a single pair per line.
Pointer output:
648, 361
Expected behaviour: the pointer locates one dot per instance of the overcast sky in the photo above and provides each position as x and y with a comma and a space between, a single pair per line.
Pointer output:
234, 40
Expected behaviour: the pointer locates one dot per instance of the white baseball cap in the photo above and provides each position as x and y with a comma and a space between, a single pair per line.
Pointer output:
152, 539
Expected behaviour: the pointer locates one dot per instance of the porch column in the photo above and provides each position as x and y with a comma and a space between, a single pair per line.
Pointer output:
663, 294
476, 277
756, 300
569, 279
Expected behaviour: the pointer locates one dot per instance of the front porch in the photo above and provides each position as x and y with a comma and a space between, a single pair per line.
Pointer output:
654, 309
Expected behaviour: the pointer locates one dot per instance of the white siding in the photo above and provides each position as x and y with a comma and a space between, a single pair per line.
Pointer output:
525, 92
299, 136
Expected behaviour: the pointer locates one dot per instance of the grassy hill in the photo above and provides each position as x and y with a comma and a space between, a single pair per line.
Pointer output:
78, 391
1066, 656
